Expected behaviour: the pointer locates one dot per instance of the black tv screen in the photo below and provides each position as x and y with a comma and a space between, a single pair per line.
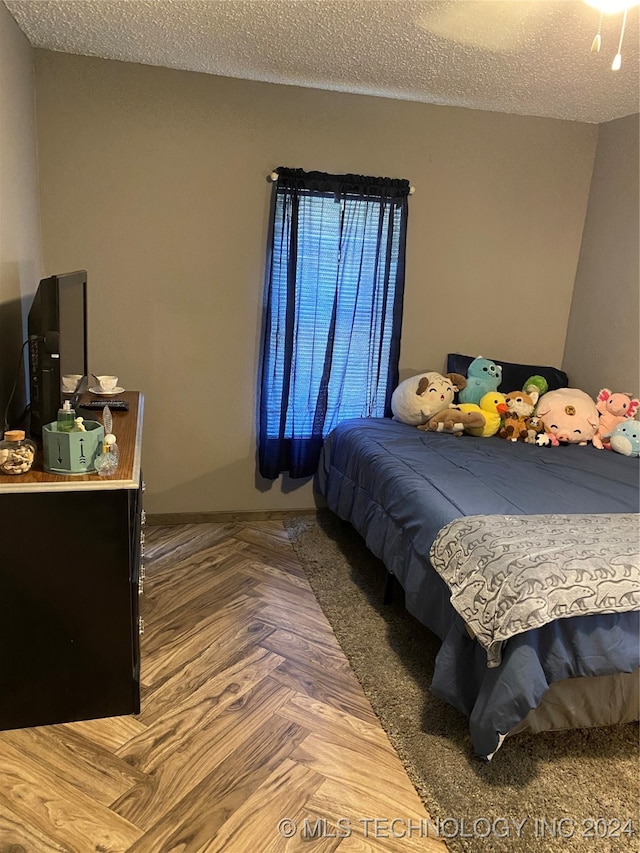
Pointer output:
57, 328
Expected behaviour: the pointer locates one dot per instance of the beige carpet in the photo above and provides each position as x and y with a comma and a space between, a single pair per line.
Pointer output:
570, 778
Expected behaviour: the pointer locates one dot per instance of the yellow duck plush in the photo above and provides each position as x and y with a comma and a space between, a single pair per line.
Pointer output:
493, 405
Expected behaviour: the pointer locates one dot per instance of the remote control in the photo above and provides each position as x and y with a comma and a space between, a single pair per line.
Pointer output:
114, 405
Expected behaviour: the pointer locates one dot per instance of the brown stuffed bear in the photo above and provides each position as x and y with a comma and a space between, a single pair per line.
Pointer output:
454, 421
535, 426
514, 428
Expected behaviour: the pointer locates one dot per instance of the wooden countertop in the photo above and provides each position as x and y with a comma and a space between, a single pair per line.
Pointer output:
127, 427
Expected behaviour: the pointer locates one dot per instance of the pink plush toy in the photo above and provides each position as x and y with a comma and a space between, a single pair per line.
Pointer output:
570, 417
614, 409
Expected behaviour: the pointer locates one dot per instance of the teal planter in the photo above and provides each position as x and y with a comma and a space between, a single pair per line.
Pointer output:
71, 452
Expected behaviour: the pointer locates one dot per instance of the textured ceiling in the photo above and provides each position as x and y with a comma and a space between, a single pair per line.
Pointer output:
529, 57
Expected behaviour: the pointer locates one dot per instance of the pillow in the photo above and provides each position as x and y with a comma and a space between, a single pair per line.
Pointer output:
513, 375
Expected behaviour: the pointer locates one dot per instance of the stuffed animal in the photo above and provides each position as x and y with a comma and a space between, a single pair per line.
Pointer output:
420, 397
520, 406
520, 403
492, 406
513, 428
536, 383
534, 426
570, 416
625, 438
454, 421
614, 409
482, 376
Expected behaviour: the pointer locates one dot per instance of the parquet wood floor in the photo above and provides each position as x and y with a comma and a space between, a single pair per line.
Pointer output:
250, 715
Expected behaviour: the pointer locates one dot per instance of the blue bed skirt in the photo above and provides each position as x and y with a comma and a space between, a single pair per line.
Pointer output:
398, 486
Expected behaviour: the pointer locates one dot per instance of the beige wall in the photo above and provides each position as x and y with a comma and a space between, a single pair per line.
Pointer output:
154, 180
20, 249
603, 337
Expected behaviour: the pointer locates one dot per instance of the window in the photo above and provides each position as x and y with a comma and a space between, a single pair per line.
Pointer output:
334, 289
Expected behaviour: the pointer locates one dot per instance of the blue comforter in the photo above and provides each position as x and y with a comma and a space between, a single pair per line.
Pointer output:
398, 486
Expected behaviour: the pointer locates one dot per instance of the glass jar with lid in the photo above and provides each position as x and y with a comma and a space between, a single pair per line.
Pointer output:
16, 452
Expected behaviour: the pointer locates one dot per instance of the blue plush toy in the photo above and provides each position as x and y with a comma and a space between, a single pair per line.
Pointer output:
625, 438
483, 376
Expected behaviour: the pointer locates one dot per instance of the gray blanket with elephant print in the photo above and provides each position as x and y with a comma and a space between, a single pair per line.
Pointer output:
512, 573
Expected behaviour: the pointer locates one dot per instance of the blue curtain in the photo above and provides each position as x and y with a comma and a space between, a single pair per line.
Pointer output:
333, 311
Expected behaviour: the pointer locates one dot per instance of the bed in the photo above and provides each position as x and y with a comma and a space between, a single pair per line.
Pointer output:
405, 491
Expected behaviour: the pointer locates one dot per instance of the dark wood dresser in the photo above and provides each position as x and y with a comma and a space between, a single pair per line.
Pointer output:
71, 574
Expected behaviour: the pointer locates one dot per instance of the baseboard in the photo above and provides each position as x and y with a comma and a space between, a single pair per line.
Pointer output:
170, 518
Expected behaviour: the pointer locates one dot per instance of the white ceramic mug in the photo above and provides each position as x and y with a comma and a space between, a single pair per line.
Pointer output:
70, 382
107, 383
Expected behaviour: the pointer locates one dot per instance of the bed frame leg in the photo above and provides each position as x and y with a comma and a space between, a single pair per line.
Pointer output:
388, 589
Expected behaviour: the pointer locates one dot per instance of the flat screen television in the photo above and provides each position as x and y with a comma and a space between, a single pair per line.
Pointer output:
57, 328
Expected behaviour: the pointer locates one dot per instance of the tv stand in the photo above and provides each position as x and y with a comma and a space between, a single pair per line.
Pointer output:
71, 555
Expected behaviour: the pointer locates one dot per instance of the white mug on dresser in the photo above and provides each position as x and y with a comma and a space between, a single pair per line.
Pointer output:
107, 382
70, 382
